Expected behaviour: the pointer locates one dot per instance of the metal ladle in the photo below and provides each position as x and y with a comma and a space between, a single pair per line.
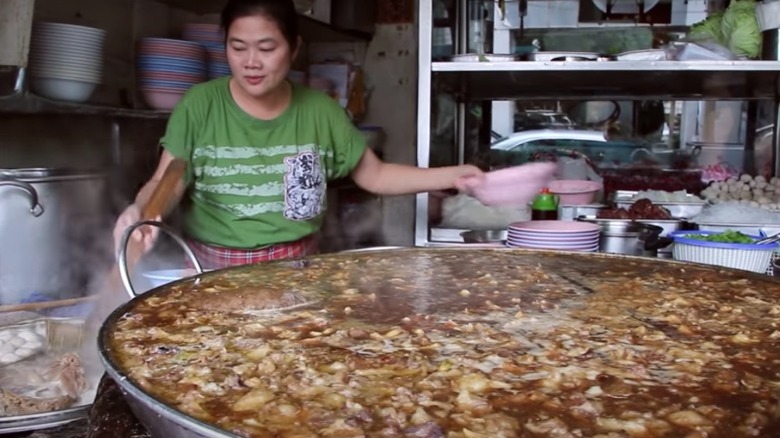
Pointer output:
769, 239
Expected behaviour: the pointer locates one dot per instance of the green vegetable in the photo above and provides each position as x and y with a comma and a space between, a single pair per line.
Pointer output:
708, 30
740, 28
736, 28
728, 236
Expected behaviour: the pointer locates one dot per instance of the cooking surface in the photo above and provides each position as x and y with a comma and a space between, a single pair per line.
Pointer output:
461, 343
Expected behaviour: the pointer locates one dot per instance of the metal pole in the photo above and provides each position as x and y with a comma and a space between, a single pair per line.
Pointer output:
425, 34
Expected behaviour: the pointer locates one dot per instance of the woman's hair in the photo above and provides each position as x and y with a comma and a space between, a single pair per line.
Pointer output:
282, 12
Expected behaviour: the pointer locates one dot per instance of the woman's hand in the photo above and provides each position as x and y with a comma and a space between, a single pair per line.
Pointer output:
467, 178
146, 236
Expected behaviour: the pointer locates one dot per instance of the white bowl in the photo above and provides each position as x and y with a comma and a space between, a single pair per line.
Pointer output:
95, 77
65, 41
165, 276
82, 76
63, 89
69, 28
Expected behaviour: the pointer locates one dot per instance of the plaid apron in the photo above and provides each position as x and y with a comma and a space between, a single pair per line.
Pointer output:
217, 257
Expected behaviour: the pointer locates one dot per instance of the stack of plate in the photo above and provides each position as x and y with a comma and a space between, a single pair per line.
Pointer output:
554, 235
66, 61
167, 68
212, 38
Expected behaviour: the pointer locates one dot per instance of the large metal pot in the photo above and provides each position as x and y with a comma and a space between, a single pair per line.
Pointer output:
575, 271
51, 223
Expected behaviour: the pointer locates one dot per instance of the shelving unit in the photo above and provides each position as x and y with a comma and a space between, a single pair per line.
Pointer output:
627, 80
28, 103
23, 102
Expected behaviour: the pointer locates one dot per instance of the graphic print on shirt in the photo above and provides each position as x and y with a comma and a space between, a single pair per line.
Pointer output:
249, 181
304, 187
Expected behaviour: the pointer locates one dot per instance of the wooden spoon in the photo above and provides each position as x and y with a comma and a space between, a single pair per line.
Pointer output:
158, 201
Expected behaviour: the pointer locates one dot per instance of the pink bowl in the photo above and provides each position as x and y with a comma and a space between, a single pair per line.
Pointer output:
161, 100
516, 185
575, 192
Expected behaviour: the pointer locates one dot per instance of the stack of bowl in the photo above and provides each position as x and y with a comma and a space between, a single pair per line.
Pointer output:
167, 68
66, 60
212, 38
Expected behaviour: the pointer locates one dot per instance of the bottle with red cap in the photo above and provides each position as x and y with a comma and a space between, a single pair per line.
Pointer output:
544, 206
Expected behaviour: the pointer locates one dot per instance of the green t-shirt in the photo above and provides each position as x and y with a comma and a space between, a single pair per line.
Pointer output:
253, 183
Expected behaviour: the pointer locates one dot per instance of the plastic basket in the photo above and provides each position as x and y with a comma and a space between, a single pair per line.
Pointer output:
748, 257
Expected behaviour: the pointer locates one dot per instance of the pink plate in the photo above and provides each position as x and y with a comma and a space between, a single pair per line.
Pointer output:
554, 240
590, 249
511, 186
555, 226
550, 246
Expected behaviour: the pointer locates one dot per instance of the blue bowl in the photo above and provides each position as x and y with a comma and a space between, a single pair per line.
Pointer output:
148, 59
166, 84
170, 69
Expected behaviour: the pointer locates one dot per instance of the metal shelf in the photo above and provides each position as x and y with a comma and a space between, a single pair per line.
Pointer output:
680, 80
318, 30
28, 103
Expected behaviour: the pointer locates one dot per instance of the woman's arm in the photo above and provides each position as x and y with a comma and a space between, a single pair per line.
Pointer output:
376, 176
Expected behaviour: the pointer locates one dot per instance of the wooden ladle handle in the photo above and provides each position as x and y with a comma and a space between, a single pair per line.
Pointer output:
164, 191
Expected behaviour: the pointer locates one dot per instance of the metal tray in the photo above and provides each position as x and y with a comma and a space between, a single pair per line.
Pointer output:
643, 55
549, 56
487, 57
45, 420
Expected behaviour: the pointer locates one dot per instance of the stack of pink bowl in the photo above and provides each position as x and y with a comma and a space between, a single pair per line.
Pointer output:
554, 235
167, 68
66, 61
212, 38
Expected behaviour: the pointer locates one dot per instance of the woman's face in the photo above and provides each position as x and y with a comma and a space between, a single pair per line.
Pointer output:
258, 54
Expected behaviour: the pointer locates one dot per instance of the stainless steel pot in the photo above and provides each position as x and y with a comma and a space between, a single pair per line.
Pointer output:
624, 236
51, 221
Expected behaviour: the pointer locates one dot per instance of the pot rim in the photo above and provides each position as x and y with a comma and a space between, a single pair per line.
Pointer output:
49, 174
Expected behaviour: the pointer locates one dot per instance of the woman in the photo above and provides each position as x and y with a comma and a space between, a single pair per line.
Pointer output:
260, 150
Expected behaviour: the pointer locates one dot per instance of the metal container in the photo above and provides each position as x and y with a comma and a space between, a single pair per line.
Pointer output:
51, 221
571, 212
483, 236
624, 236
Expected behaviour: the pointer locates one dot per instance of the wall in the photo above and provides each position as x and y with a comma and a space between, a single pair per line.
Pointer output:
391, 65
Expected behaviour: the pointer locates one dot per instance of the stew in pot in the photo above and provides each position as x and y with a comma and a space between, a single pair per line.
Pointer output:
453, 343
